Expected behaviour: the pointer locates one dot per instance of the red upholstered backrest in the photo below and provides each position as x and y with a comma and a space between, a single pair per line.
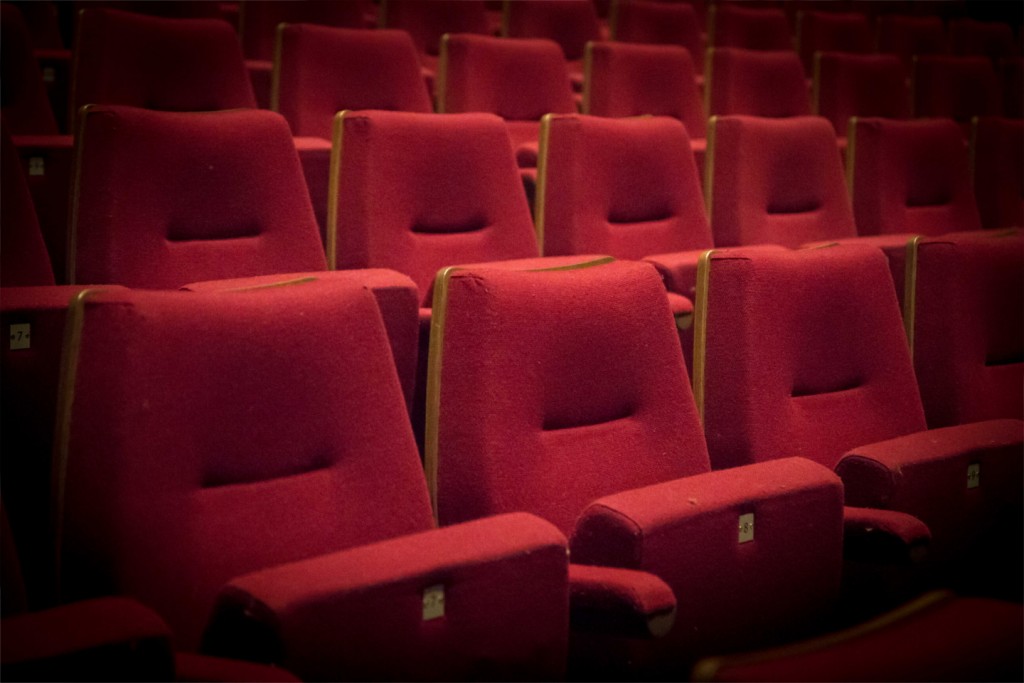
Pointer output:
846, 32
211, 434
417, 192
624, 187
320, 71
968, 325
258, 19
956, 87
555, 388
997, 163
847, 85
158, 63
165, 198
777, 181
570, 23
992, 39
910, 176
752, 28
755, 83
426, 22
629, 79
23, 99
1011, 79
910, 35
663, 23
805, 355
518, 79
24, 260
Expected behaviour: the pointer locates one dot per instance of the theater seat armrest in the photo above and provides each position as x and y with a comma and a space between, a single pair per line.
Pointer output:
883, 536
495, 589
622, 602
43, 142
104, 639
890, 474
678, 271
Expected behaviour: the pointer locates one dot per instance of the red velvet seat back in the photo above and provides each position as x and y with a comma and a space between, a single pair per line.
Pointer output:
570, 23
910, 176
997, 163
804, 355
426, 22
968, 327
24, 260
751, 28
207, 435
775, 181
626, 79
909, 35
992, 39
393, 205
847, 85
166, 198
535, 414
661, 23
755, 83
624, 187
846, 32
321, 70
956, 87
258, 20
158, 63
23, 99
518, 79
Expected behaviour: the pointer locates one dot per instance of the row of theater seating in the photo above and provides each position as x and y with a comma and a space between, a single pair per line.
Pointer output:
441, 190
837, 375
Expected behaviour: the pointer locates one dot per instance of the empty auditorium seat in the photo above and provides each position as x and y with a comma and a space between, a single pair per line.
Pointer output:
563, 392
747, 26
167, 198
962, 308
659, 23
955, 87
822, 31
627, 79
847, 85
907, 36
23, 99
24, 260
519, 79
997, 166
250, 474
257, 30
910, 177
938, 636
427, 22
320, 70
570, 23
803, 353
755, 82
775, 181
992, 39
1011, 80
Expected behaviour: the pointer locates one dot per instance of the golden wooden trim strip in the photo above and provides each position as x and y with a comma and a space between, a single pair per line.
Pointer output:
275, 70
700, 324
271, 285
851, 150
709, 169
333, 181
910, 290
588, 71
441, 80
541, 191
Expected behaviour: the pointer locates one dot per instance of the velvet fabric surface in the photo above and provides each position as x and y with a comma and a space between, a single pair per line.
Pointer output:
755, 83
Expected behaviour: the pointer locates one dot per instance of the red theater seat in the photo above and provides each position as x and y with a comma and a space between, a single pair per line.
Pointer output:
570, 23
732, 24
563, 392
997, 164
755, 83
24, 260
910, 177
969, 365
955, 87
660, 23
847, 85
907, 36
992, 39
319, 71
242, 463
822, 31
804, 353
519, 79
25, 104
